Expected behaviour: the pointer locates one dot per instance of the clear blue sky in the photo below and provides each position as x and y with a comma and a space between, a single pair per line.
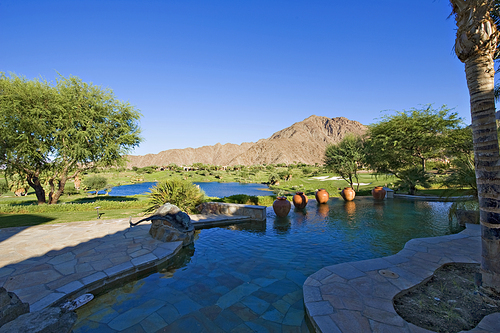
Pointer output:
208, 71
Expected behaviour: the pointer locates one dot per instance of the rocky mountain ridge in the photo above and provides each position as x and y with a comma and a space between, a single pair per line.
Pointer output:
304, 141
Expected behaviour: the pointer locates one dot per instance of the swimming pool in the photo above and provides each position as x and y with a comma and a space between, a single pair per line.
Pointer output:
249, 277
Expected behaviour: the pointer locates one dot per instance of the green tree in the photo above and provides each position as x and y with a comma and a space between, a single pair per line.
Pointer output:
345, 157
476, 46
53, 132
406, 140
4, 186
96, 183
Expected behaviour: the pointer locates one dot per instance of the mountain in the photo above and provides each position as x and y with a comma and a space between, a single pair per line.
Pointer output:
304, 142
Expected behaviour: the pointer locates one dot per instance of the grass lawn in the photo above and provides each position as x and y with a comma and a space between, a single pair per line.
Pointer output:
24, 211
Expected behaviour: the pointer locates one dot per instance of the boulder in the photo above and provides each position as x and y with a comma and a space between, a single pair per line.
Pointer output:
48, 320
11, 306
170, 224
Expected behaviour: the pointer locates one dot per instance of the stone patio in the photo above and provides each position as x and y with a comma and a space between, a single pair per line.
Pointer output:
357, 296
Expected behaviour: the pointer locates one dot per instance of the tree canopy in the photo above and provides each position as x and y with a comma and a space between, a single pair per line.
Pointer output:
50, 133
409, 138
345, 158
401, 143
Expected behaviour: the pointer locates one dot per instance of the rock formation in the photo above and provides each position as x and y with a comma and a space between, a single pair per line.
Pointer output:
170, 224
48, 320
303, 142
11, 306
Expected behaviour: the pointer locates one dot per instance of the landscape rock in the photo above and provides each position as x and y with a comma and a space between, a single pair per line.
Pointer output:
171, 225
48, 320
11, 306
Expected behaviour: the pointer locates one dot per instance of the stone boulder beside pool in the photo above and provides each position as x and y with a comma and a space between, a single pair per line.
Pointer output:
170, 224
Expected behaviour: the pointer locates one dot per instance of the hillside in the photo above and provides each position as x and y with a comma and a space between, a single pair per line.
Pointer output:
304, 142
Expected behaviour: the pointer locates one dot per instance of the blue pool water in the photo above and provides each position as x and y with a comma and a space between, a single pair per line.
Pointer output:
249, 277
211, 189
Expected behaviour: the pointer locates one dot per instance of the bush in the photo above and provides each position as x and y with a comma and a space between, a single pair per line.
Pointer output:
96, 183
69, 189
181, 193
4, 187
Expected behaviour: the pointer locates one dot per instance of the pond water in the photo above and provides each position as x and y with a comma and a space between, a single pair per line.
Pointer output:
211, 189
249, 277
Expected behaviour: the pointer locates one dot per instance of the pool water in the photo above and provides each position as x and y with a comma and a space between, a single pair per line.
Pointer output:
249, 277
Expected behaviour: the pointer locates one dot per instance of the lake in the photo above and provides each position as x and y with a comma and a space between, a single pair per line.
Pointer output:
211, 189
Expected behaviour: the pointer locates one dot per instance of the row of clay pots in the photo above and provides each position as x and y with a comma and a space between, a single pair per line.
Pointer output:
282, 206
348, 193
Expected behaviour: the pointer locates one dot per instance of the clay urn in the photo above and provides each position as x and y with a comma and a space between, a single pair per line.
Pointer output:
299, 200
281, 206
348, 194
378, 193
322, 196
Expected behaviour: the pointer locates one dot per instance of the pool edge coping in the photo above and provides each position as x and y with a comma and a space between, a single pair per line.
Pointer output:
370, 295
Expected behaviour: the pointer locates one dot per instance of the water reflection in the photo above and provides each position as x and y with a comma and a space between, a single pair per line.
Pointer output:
300, 216
323, 210
350, 208
379, 206
257, 227
282, 225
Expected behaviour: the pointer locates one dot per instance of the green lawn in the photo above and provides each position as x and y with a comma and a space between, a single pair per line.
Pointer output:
24, 211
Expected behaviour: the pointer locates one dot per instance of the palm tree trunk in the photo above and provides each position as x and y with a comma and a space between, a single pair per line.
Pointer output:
475, 45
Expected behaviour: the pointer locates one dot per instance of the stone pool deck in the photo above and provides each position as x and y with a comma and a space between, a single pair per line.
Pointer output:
357, 296
47, 264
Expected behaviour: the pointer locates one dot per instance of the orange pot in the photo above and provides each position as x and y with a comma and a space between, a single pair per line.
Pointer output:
281, 206
378, 193
322, 196
348, 194
299, 200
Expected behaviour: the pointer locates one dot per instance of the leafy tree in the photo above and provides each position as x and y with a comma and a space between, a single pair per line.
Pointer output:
4, 186
96, 183
409, 138
345, 157
273, 178
51, 133
476, 46
406, 140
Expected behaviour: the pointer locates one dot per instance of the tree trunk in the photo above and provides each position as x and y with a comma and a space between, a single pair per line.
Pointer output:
475, 45
54, 195
480, 79
34, 182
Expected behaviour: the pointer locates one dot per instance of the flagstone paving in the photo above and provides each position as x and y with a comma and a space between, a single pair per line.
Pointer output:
45, 264
357, 296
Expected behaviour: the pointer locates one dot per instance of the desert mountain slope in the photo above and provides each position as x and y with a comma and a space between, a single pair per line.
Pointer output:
304, 142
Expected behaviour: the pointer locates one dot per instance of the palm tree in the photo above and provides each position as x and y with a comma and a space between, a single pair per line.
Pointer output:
475, 46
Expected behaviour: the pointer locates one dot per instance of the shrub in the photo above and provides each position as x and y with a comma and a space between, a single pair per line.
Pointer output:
4, 187
96, 183
181, 193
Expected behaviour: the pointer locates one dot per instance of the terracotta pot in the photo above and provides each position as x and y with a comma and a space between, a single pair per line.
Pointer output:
348, 194
378, 193
322, 196
299, 200
281, 206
